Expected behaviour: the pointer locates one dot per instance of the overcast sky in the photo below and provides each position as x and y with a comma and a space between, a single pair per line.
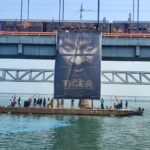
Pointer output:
48, 9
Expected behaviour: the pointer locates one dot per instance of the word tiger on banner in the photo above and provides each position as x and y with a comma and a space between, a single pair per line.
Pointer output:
78, 66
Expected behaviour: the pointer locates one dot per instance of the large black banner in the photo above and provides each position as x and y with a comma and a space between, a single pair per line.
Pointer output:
77, 67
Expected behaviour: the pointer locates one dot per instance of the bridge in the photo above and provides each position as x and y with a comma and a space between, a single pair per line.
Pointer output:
42, 45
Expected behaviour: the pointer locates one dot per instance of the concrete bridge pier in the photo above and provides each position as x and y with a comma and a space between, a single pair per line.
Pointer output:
85, 103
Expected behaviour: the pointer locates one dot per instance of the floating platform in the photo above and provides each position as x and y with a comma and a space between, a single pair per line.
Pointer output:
65, 111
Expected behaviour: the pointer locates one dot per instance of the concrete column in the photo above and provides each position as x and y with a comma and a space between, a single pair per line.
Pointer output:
137, 52
84, 103
19, 48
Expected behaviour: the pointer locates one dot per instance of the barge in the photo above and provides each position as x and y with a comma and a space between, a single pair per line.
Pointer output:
73, 111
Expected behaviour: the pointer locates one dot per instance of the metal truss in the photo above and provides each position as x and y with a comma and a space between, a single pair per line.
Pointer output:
47, 75
126, 77
26, 75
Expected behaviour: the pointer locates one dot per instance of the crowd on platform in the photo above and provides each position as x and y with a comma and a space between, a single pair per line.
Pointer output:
59, 103
38, 102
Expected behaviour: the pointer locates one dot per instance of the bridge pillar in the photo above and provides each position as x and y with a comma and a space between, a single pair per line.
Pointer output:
84, 103
19, 48
137, 53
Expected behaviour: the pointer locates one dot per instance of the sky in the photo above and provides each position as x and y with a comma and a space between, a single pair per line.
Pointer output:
48, 9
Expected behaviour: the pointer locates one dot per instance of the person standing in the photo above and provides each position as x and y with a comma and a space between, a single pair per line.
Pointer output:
14, 101
48, 102
52, 102
41, 101
72, 103
58, 103
34, 102
126, 104
19, 102
121, 104
44, 102
62, 103
102, 103
92, 103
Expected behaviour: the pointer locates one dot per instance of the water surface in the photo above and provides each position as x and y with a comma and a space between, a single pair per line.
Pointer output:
58, 132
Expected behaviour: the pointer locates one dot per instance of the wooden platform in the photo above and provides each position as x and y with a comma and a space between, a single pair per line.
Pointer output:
50, 111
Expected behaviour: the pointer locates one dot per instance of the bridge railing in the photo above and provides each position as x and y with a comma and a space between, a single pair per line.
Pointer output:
123, 35
9, 33
127, 35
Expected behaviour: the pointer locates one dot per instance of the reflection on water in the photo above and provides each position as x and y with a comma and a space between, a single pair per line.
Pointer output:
59, 132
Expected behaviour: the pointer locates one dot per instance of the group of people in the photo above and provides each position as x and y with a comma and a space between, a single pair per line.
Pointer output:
49, 103
118, 105
39, 102
59, 103
14, 101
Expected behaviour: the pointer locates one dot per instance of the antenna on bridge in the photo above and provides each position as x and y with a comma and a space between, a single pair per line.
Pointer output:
138, 13
81, 11
63, 9
21, 13
133, 9
28, 11
59, 11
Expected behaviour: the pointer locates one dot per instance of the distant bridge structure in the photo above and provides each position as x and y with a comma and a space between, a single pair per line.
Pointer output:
45, 75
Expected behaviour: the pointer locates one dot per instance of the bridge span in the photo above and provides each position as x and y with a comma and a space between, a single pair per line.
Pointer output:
47, 75
42, 45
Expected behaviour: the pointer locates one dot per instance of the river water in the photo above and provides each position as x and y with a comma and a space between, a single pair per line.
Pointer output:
60, 132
